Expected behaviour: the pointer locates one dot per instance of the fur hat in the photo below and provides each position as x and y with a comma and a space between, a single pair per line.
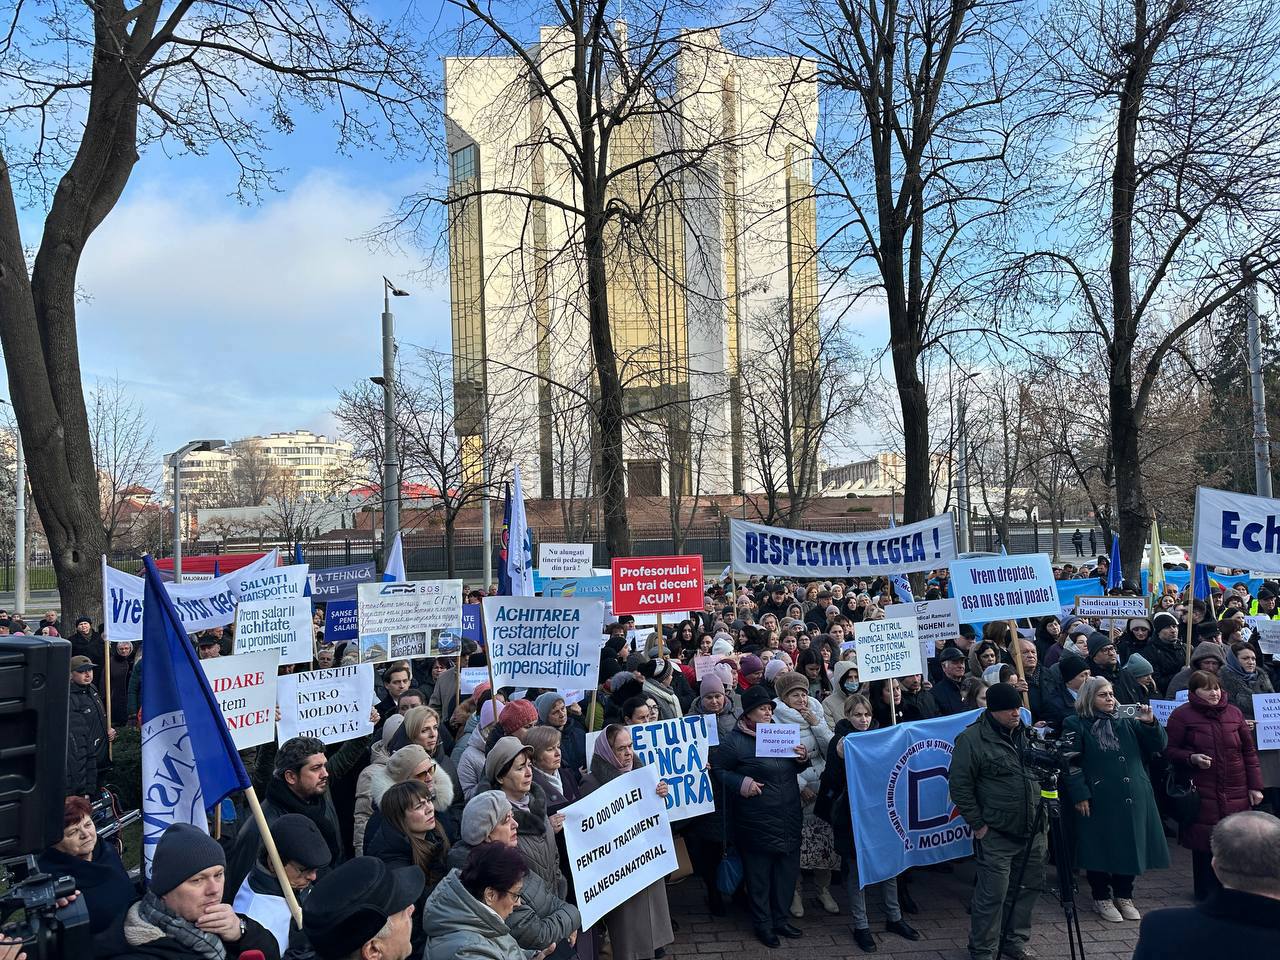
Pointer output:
787, 682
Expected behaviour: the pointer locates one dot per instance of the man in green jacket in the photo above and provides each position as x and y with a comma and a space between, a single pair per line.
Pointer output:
997, 798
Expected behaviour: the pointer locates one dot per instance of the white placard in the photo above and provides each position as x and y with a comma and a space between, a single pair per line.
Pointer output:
1266, 712
1182, 696
777, 739
1268, 635
397, 619
283, 625
887, 648
331, 705
564, 560
470, 678
618, 839
550, 642
936, 621
279, 583
1005, 588
703, 665
1115, 608
245, 686
1236, 530
1162, 709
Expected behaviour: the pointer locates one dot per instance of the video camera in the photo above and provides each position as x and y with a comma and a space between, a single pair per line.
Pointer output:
46, 930
1047, 756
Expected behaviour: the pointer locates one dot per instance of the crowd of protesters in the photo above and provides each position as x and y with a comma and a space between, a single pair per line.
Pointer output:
440, 834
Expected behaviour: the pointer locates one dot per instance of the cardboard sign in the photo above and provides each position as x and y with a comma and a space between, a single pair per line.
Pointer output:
564, 559
1268, 635
703, 665
936, 622
245, 686
331, 705
777, 740
618, 839
1005, 588
657, 585
283, 625
1162, 709
545, 642
887, 648
1119, 608
1266, 712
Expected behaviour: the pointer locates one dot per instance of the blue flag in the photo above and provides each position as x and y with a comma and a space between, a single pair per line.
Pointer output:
1201, 591
898, 795
1114, 576
393, 569
216, 574
189, 761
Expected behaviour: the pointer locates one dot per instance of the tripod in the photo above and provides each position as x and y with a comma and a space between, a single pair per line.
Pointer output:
1048, 808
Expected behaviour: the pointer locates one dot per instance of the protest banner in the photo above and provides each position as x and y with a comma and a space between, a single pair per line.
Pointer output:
619, 841
703, 665
777, 739
200, 605
936, 622
1268, 635
1266, 713
339, 583
657, 585
1114, 608
678, 750
1005, 588
1162, 708
245, 687
472, 677
906, 819
543, 641
396, 619
564, 559
581, 587
760, 549
282, 583
283, 625
1236, 530
887, 648
471, 629
340, 621
331, 705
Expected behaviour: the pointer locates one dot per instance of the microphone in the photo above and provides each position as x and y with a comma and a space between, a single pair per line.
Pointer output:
253, 955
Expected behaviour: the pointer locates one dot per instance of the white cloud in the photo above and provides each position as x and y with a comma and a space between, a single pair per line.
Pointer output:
229, 320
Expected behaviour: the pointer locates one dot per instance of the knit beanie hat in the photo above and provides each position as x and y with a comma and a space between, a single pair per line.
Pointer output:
1163, 619
754, 696
545, 703
1070, 667
724, 670
656, 669
723, 645
788, 682
518, 714
750, 664
1138, 666
406, 760
774, 668
1097, 640
711, 685
490, 712
390, 726
1003, 696
183, 851
482, 813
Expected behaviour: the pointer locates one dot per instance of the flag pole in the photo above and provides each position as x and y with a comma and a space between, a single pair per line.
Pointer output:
1015, 641
273, 855
106, 686
658, 618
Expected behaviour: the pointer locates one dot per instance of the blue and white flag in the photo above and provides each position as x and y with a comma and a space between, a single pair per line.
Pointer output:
899, 797
189, 761
515, 566
901, 585
1114, 575
1201, 590
393, 570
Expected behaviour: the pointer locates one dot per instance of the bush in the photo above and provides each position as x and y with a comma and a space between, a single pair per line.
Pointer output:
125, 778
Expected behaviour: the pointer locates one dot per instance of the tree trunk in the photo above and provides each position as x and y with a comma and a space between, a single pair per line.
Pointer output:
917, 502
451, 565
1133, 516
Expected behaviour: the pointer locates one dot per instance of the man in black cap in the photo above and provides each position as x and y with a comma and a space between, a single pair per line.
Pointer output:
997, 798
303, 851
208, 647
182, 914
88, 732
1059, 689
362, 911
1104, 661
950, 678
1265, 605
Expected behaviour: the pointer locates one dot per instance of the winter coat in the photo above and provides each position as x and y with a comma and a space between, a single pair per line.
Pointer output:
540, 918
1217, 730
1123, 683
832, 804
537, 840
1245, 923
813, 737
988, 783
370, 786
460, 927
102, 881
569, 790
641, 925
121, 668
132, 938
726, 719
259, 897
946, 694
392, 847
471, 764
921, 704
279, 801
1166, 660
1182, 679
1057, 702
573, 746
1123, 833
1240, 691
833, 703
86, 739
766, 822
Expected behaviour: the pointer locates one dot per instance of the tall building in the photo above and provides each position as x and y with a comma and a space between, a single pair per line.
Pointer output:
719, 240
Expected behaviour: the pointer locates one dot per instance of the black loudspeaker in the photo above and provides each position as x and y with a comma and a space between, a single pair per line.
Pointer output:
35, 682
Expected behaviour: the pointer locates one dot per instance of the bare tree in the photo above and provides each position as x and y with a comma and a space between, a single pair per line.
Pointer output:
1173, 113
123, 443
91, 86
998, 441
250, 480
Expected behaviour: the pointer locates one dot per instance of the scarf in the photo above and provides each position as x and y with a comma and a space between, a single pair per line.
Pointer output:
1104, 732
605, 752
664, 695
553, 779
200, 943
747, 726
316, 811
1233, 664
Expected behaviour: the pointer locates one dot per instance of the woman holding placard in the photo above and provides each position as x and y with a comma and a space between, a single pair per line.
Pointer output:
641, 927
1242, 677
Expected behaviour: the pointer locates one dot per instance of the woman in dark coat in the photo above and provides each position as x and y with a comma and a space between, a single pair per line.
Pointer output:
762, 797
101, 878
121, 666
641, 927
1116, 826
1209, 737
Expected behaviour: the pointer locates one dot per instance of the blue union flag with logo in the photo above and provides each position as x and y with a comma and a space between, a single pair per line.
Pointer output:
898, 795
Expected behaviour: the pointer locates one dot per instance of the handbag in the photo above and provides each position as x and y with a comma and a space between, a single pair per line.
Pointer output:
1184, 798
729, 873
684, 865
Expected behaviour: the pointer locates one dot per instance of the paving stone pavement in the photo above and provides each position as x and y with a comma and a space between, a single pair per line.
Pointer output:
943, 919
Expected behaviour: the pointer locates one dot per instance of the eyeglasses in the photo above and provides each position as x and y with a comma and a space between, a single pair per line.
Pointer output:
516, 896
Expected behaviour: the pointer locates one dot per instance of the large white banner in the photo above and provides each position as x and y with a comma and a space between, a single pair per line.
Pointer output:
925, 545
246, 690
200, 605
282, 625
619, 842
551, 642
1236, 530
1005, 588
331, 705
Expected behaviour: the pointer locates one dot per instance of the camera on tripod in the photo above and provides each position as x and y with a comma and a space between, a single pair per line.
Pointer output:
46, 930
1050, 757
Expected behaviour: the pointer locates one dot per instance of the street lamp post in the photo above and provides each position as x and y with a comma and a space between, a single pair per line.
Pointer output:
19, 518
175, 461
390, 454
